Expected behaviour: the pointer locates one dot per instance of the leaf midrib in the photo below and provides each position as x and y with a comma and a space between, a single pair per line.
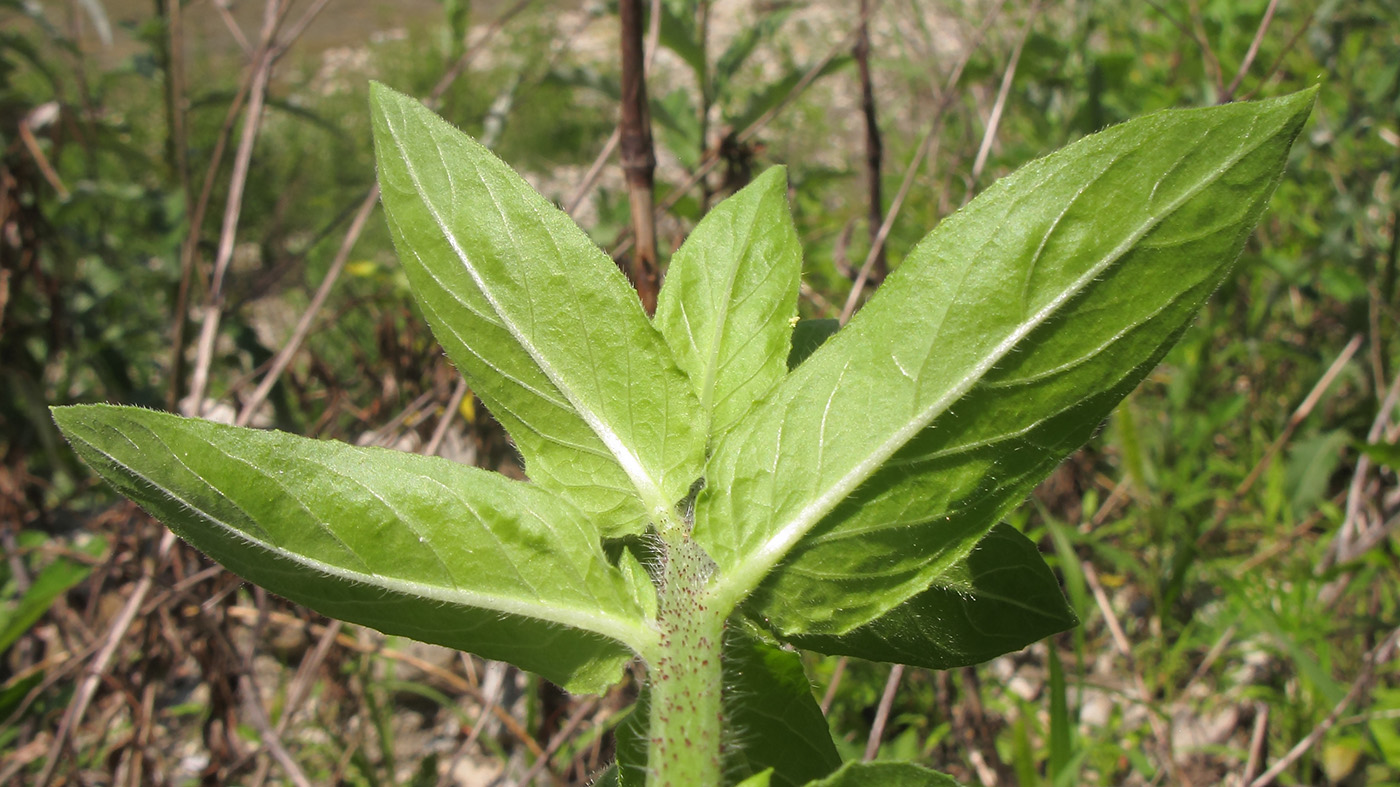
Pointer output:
647, 488
721, 318
737, 583
638, 638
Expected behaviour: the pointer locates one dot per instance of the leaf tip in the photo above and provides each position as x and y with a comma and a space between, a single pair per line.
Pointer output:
776, 172
65, 416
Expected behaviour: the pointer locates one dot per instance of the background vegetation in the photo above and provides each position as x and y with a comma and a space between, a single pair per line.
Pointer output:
187, 222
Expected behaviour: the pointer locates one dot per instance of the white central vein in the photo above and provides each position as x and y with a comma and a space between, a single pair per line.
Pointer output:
757, 563
631, 464
595, 621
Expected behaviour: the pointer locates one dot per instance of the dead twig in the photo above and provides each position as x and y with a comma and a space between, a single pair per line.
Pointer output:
189, 247
1300, 414
1350, 540
590, 178
440, 431
713, 159
874, 148
1287, 49
289, 348
830, 695
470, 53
993, 122
1258, 738
1368, 518
882, 713
97, 668
576, 719
231, 24
300, 688
1283, 544
1378, 656
945, 100
288, 351
31, 144
449, 678
1253, 52
1160, 730
264, 60
638, 154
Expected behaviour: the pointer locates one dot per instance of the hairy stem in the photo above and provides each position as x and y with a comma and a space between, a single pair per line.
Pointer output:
686, 712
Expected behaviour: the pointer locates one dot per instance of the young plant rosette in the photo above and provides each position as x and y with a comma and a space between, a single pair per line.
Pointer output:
710, 486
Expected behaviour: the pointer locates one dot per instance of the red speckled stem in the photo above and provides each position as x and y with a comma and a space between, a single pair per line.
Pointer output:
686, 710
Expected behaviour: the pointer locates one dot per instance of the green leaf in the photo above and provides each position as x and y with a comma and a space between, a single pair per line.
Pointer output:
758, 779
677, 33
998, 599
1387, 454
729, 296
1312, 461
608, 778
807, 336
994, 350
540, 321
638, 582
771, 709
885, 774
632, 736
676, 124
742, 45
53, 581
778, 90
768, 708
410, 545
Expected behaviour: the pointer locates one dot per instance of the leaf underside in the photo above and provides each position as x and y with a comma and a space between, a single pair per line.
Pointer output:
885, 774
540, 321
729, 294
995, 349
998, 599
410, 545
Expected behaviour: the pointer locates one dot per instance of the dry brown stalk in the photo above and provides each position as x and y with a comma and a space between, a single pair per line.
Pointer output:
1381, 654
1253, 52
1160, 729
874, 148
268, 51
990, 135
926, 146
882, 711
1305, 408
97, 668
306, 322
638, 154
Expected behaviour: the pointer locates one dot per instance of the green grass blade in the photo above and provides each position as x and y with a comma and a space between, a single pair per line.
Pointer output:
53, 581
1061, 726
